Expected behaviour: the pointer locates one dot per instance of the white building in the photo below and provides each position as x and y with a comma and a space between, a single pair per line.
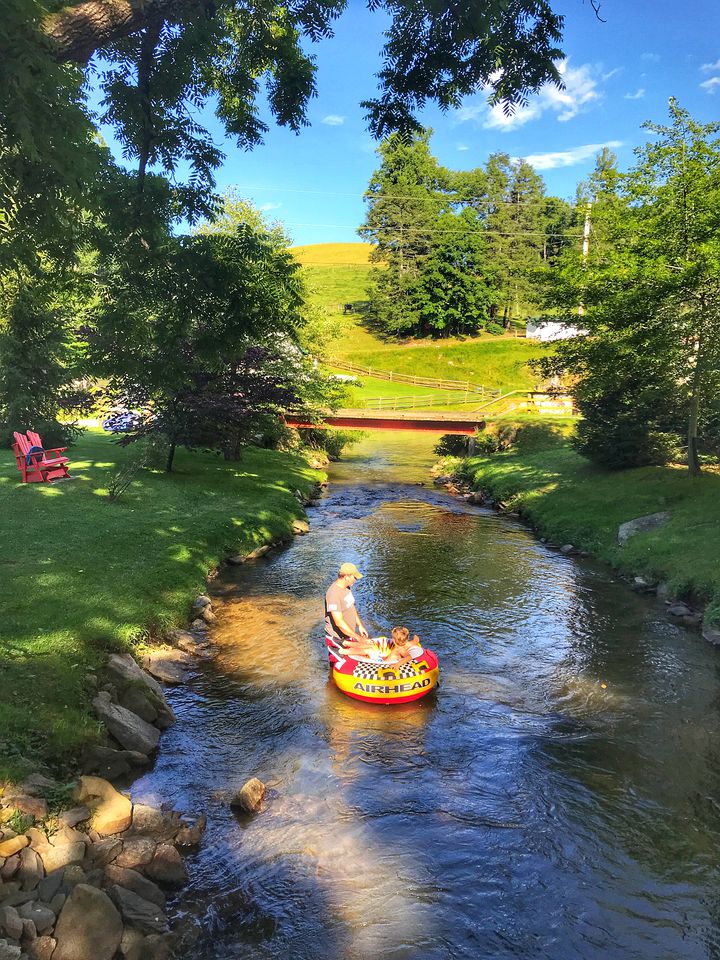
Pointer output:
548, 330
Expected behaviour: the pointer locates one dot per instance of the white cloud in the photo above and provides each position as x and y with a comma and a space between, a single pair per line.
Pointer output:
710, 67
266, 207
638, 95
333, 120
611, 73
650, 57
710, 85
463, 146
580, 92
567, 158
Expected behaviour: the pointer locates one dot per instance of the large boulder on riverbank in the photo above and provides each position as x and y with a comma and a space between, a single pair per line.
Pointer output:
138, 691
641, 525
131, 731
89, 926
111, 811
168, 664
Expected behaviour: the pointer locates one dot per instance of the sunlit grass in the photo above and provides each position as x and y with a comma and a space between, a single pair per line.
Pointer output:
569, 501
81, 576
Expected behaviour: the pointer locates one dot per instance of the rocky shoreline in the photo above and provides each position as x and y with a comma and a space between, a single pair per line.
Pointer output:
677, 610
84, 872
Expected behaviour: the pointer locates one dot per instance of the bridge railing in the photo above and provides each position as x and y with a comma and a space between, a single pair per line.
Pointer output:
431, 382
413, 402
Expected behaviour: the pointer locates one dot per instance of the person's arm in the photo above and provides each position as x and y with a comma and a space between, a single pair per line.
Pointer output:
362, 631
339, 621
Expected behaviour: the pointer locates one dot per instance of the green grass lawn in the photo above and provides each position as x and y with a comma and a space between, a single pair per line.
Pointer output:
495, 362
82, 576
569, 501
369, 389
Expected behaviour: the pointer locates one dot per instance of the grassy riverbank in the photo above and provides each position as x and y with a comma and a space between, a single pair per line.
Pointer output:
81, 576
569, 501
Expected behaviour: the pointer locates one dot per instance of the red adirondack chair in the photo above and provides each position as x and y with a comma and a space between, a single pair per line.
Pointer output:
36, 464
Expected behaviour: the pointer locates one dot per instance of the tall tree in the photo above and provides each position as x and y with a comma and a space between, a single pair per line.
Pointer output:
404, 203
650, 287
517, 234
454, 289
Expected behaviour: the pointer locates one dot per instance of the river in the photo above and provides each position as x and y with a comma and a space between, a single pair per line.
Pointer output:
558, 797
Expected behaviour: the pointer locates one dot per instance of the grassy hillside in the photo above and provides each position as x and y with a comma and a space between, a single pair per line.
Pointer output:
335, 273
338, 273
496, 362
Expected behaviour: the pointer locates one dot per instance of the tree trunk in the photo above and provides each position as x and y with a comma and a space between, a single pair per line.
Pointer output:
79, 29
170, 458
692, 445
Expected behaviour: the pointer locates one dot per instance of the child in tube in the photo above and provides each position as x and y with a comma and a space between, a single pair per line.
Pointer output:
377, 650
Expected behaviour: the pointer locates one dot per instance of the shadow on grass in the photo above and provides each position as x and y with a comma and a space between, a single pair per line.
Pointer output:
82, 576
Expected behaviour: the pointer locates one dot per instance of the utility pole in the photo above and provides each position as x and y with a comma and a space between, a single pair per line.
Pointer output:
585, 249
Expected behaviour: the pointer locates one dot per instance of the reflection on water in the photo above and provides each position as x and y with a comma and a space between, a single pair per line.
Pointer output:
557, 798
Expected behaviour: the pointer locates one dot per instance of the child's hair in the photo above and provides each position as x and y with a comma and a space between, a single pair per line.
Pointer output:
400, 635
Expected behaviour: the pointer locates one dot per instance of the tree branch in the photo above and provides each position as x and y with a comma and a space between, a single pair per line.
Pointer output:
79, 29
595, 4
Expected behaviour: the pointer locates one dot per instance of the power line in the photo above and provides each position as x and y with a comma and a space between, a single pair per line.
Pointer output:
363, 196
429, 233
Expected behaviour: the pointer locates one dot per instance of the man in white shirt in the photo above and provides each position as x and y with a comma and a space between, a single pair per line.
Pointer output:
342, 621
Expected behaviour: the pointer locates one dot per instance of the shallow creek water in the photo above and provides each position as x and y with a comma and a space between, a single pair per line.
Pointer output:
522, 811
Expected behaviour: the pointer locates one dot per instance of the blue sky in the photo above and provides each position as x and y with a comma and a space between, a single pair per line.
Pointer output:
617, 74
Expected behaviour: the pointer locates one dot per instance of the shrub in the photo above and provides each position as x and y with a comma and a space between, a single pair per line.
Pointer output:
494, 328
624, 443
332, 442
451, 445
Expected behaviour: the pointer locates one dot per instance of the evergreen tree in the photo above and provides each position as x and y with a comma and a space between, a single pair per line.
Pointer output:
517, 235
404, 204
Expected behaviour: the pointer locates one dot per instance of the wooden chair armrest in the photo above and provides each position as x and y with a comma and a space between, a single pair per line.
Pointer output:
56, 450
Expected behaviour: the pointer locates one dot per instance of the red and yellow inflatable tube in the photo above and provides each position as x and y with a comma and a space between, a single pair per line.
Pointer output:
386, 683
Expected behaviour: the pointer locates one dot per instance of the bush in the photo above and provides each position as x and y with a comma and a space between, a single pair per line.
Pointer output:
451, 445
495, 329
624, 443
502, 436
332, 442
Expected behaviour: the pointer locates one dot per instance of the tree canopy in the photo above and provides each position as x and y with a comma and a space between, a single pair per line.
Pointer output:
649, 286
458, 251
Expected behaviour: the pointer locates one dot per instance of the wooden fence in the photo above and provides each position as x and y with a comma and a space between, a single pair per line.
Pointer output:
461, 386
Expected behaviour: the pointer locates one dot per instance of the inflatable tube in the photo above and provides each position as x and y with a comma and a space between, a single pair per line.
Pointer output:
386, 683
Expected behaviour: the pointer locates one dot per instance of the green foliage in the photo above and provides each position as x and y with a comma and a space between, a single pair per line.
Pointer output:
20, 822
331, 442
460, 249
38, 360
650, 287
48, 161
451, 445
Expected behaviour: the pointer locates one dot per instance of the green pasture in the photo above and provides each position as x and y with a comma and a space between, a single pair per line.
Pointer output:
569, 501
369, 390
336, 274
82, 576
495, 362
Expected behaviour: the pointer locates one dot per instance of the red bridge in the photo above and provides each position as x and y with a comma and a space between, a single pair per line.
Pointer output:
463, 424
